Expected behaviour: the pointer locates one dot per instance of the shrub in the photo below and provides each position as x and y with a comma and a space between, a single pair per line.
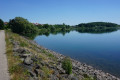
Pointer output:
1, 24
22, 26
67, 65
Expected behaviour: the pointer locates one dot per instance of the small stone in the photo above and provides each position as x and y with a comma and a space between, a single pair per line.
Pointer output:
32, 74
25, 55
53, 77
74, 78
41, 73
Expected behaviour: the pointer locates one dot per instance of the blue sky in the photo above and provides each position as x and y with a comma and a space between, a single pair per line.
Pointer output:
71, 12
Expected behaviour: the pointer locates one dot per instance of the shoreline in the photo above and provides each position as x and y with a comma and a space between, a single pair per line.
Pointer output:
79, 67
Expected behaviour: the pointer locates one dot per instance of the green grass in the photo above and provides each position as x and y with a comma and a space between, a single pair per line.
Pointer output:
86, 77
23, 44
67, 65
16, 71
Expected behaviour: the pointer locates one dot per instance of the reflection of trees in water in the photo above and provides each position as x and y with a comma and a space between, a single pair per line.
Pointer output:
80, 30
47, 33
32, 36
96, 30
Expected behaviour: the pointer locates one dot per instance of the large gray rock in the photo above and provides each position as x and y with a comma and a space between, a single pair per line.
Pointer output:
28, 61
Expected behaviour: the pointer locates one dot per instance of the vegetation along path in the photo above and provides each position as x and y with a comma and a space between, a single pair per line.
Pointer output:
4, 75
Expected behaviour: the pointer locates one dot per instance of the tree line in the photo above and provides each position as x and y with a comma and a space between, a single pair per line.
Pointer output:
24, 27
97, 24
46, 29
96, 27
19, 25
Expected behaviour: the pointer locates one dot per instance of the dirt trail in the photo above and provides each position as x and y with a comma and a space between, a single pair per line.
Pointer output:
4, 75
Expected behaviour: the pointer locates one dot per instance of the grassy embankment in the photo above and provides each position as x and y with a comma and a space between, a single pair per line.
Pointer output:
18, 72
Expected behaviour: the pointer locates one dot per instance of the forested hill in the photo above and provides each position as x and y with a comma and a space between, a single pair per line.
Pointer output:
97, 24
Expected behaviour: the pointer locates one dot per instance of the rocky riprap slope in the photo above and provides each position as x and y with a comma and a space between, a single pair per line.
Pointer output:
44, 64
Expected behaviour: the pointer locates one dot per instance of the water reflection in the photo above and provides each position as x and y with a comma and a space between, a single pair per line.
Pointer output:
80, 30
96, 31
55, 32
99, 50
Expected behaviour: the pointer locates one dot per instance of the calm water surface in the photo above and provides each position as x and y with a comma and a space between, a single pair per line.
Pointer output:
99, 50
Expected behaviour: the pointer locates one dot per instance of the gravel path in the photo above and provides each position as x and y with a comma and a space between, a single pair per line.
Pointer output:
4, 75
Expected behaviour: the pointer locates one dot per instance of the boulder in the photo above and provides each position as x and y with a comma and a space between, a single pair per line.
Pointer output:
28, 61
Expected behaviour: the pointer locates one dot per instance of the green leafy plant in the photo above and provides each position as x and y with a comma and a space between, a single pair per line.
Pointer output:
67, 65
22, 26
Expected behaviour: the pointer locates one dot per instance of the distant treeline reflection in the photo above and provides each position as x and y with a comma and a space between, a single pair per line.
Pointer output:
96, 30
55, 32
80, 30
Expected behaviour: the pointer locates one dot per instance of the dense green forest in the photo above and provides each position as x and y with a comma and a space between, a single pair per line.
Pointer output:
97, 24
96, 27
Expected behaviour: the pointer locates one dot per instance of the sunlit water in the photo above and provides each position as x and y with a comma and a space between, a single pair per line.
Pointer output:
99, 50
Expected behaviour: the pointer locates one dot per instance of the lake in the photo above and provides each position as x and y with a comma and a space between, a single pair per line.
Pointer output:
100, 50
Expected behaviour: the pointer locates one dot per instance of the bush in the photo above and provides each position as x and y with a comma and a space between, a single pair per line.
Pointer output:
67, 65
1, 24
22, 26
